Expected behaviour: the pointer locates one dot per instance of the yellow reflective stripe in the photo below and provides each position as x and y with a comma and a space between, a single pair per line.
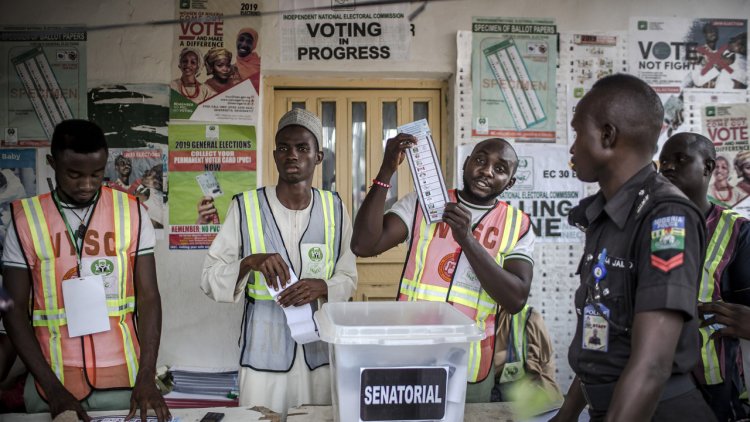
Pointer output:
429, 292
422, 246
715, 252
511, 228
330, 227
257, 288
408, 287
519, 324
122, 221
475, 355
711, 366
41, 239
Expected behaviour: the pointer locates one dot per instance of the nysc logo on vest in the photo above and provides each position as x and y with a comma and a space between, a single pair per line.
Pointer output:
102, 266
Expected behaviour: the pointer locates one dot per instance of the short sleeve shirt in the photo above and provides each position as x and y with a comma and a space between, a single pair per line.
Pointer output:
407, 206
660, 270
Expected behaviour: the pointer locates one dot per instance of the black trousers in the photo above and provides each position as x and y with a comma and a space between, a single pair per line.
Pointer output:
686, 407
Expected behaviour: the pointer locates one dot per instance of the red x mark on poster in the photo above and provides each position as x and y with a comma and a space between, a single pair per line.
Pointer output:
714, 58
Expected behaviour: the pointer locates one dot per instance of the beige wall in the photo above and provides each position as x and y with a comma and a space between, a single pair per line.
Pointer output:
197, 331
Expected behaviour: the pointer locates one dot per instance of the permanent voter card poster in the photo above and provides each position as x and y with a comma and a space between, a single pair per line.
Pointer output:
43, 83
513, 69
208, 164
216, 61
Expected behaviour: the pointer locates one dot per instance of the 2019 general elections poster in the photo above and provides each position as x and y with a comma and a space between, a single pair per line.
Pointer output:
216, 63
514, 62
673, 54
44, 81
208, 164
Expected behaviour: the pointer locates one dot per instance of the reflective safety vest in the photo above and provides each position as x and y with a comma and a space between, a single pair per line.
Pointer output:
102, 360
320, 248
724, 226
437, 270
515, 362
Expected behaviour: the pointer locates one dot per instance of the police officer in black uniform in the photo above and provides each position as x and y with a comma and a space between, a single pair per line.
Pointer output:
640, 268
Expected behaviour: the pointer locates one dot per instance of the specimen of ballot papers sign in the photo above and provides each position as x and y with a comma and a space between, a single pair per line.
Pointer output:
298, 318
425, 171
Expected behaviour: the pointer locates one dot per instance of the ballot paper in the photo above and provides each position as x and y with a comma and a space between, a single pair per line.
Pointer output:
298, 318
425, 171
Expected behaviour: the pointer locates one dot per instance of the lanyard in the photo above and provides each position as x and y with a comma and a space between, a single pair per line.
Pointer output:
73, 238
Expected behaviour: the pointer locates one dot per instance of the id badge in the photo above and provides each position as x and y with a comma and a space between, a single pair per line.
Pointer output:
512, 371
107, 268
85, 305
313, 260
595, 328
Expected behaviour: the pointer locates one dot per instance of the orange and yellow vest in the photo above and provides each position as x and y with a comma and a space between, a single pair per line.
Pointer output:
437, 270
724, 227
104, 360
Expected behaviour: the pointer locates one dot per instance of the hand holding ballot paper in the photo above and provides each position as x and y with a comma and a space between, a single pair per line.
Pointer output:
299, 316
425, 170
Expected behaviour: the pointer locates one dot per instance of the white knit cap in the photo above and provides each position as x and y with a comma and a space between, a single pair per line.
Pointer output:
304, 118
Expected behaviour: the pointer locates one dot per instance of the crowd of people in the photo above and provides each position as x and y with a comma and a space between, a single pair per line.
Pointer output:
663, 301
221, 73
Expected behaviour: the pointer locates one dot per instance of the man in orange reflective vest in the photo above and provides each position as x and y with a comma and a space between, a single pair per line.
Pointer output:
478, 257
82, 257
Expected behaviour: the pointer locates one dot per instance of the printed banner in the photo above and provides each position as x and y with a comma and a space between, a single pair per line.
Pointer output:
43, 83
672, 54
208, 164
727, 126
139, 172
513, 70
341, 30
584, 59
216, 62
17, 180
546, 189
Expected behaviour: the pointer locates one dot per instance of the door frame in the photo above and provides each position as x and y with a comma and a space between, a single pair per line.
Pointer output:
271, 83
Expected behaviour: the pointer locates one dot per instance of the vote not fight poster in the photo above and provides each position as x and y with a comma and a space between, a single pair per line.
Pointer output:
675, 54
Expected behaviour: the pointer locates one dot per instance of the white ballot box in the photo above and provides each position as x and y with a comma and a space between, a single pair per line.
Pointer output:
397, 360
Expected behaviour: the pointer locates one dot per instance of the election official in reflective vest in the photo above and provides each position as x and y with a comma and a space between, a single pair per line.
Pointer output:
477, 257
82, 258
689, 160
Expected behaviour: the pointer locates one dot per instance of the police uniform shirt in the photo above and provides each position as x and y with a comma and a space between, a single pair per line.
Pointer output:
660, 271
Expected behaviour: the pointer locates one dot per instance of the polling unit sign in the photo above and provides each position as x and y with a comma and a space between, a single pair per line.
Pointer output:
322, 30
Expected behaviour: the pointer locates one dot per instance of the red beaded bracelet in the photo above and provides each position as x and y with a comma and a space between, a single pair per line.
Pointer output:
376, 182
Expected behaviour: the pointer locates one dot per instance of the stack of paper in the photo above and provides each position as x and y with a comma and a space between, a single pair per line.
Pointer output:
203, 387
